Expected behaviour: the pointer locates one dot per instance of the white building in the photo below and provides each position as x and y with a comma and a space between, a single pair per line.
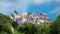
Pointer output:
33, 17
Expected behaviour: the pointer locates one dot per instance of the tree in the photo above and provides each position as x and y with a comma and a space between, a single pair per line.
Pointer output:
5, 23
55, 26
43, 28
15, 24
4, 32
57, 19
28, 28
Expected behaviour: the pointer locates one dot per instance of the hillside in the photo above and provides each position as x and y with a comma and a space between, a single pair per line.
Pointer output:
8, 26
5, 24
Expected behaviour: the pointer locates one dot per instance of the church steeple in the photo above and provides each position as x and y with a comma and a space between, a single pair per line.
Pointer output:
15, 12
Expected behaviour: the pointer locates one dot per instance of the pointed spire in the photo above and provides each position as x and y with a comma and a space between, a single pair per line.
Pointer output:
15, 11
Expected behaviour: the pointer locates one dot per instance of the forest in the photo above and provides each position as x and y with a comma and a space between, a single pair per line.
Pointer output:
8, 26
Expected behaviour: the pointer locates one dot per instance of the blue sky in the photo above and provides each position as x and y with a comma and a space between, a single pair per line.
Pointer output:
50, 7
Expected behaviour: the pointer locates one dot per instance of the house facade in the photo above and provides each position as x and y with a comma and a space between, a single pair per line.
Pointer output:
33, 17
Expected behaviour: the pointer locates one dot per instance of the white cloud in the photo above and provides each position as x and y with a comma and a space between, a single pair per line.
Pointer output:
57, 0
41, 1
19, 5
22, 5
56, 10
5, 7
5, 4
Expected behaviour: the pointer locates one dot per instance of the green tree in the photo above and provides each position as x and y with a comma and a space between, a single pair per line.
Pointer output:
4, 32
5, 23
15, 24
43, 28
55, 26
28, 28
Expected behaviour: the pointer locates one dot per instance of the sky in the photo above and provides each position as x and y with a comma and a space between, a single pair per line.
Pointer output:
50, 7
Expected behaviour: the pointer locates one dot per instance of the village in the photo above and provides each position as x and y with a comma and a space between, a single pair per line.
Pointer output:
35, 18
